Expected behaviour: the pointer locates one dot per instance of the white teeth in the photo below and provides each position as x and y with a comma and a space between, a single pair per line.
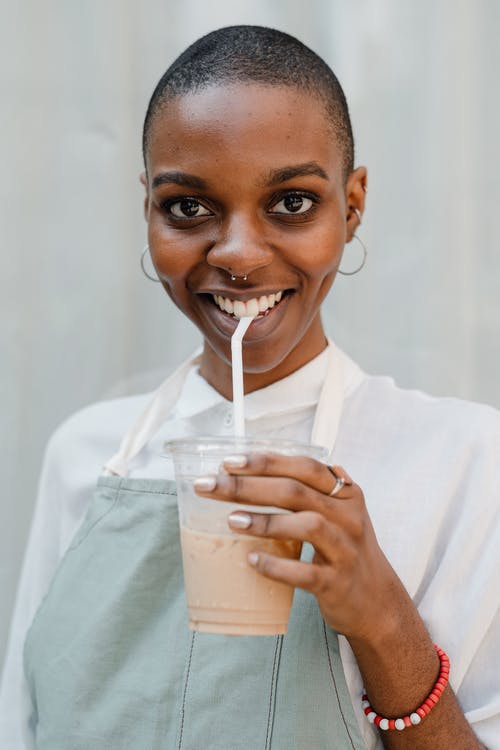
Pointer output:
251, 307
239, 308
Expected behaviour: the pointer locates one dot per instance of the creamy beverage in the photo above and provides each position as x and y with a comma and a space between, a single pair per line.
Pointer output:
224, 593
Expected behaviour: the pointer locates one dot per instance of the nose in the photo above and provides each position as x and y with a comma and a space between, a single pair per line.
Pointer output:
241, 248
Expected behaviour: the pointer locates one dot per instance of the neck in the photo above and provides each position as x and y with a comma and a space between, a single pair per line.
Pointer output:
217, 370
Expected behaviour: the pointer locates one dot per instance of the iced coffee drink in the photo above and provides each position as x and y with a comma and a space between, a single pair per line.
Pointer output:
225, 594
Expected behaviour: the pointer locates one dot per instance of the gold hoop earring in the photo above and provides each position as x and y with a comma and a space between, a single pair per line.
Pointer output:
365, 253
143, 266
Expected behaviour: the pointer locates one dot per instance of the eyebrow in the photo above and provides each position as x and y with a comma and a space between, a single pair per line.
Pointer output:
179, 178
283, 174
274, 177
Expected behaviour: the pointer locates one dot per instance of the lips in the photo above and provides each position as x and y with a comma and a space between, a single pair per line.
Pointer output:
265, 321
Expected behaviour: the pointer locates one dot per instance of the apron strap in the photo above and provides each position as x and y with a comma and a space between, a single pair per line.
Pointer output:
325, 427
151, 419
330, 402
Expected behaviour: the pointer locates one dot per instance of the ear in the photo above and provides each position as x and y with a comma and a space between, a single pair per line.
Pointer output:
355, 194
144, 181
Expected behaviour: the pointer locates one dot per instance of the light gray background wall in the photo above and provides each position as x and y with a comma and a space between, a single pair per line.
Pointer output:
78, 316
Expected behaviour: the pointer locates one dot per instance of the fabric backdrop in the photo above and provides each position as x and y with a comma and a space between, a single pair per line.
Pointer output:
79, 319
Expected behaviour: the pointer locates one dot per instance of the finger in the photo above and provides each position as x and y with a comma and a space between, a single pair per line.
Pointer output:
306, 526
279, 492
338, 471
307, 470
343, 483
304, 575
286, 493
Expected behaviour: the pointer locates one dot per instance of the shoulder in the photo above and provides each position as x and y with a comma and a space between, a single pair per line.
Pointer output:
415, 416
429, 469
74, 459
414, 451
93, 433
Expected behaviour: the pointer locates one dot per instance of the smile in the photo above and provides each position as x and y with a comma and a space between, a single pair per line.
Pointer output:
255, 307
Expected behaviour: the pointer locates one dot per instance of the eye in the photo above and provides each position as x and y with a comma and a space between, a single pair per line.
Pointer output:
187, 208
293, 203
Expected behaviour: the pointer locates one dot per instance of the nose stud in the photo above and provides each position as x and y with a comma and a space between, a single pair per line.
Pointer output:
233, 277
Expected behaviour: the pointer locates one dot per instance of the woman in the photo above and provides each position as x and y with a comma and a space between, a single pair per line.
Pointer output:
251, 196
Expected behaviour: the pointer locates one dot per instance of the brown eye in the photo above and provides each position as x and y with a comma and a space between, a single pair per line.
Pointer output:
293, 203
188, 208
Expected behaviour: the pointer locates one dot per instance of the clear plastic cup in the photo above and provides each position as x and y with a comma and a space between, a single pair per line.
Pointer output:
224, 593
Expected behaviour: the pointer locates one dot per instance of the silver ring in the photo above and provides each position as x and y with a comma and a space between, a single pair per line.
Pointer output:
340, 482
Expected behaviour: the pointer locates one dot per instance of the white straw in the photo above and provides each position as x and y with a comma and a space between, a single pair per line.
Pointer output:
237, 363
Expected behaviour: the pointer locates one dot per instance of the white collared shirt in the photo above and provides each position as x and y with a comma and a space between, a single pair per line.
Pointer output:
429, 471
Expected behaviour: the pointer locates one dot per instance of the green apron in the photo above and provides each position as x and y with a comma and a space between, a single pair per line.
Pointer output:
111, 664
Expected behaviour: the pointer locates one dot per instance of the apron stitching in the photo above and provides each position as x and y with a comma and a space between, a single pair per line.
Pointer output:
172, 492
335, 686
179, 745
279, 641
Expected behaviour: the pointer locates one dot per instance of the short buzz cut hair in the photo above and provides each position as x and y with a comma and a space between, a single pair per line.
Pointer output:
255, 54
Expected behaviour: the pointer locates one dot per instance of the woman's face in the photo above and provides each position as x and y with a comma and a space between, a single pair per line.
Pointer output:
246, 180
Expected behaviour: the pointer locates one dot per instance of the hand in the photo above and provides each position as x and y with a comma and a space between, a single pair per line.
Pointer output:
358, 592
349, 574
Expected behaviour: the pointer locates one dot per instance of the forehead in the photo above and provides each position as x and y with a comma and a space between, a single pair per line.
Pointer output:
248, 127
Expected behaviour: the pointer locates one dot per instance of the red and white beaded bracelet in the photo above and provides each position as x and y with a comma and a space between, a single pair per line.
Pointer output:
419, 713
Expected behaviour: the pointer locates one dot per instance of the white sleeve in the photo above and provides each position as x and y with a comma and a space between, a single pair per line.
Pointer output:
56, 517
439, 526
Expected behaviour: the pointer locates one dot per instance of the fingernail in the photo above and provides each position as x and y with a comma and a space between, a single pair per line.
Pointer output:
205, 484
235, 462
253, 558
240, 520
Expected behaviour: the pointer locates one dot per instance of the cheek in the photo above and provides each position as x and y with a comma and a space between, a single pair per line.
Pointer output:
319, 258
319, 254
174, 256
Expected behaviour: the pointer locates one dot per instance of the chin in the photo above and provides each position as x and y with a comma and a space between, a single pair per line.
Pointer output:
259, 357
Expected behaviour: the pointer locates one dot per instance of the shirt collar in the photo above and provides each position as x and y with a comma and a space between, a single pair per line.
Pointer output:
297, 391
